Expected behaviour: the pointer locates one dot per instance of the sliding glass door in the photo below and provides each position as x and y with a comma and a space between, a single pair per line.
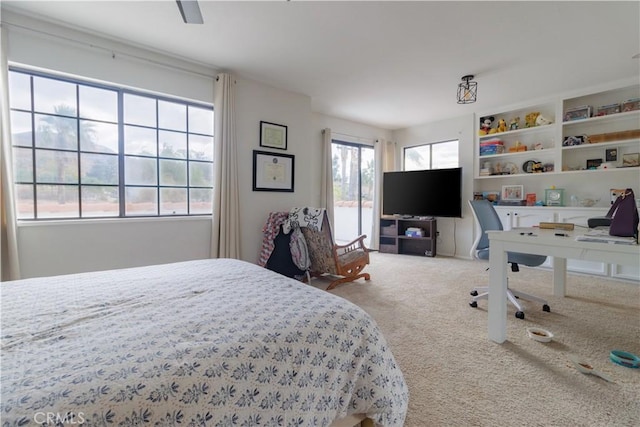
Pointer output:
353, 190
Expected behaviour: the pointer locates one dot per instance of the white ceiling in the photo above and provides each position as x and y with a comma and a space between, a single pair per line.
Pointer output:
389, 64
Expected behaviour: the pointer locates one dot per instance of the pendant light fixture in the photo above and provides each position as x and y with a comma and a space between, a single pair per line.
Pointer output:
467, 90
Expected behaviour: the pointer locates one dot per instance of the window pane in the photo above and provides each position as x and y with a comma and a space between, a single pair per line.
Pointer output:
141, 201
140, 171
200, 174
140, 141
99, 169
21, 129
56, 132
139, 110
98, 104
200, 120
172, 115
98, 137
445, 155
19, 91
56, 167
57, 201
24, 201
99, 201
54, 96
200, 147
173, 172
417, 158
173, 201
200, 201
172, 144
23, 164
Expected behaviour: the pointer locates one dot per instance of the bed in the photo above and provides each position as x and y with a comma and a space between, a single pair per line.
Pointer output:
216, 342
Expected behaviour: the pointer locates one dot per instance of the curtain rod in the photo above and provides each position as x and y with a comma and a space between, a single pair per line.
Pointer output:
359, 138
113, 52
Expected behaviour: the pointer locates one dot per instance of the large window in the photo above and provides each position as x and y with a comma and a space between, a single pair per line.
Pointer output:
83, 150
436, 155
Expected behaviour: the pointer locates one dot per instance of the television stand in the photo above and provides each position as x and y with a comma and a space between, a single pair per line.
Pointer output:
394, 238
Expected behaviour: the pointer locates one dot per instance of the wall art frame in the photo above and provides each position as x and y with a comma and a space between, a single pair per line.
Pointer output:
273, 135
273, 171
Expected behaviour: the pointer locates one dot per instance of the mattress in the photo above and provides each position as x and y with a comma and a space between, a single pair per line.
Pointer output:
216, 342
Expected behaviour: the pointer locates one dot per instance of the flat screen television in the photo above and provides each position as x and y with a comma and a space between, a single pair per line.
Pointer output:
423, 193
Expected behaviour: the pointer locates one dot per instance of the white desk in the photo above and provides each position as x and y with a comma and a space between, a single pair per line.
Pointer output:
543, 242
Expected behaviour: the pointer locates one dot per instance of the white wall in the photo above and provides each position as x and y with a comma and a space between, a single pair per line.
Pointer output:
456, 234
256, 102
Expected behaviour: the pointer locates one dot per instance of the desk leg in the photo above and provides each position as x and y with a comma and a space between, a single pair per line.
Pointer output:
559, 276
497, 292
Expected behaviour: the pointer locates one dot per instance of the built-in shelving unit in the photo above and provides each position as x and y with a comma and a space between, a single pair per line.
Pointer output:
612, 138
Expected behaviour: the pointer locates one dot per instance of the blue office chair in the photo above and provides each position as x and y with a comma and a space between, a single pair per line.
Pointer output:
487, 219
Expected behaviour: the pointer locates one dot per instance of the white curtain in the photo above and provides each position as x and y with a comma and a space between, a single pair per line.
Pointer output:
384, 161
10, 266
225, 230
326, 184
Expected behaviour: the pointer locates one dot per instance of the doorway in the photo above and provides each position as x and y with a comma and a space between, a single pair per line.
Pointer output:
353, 168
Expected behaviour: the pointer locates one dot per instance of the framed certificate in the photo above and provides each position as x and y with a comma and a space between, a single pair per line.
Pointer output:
273, 135
272, 172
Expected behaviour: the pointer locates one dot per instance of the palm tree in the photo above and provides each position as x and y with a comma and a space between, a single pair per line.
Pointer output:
60, 133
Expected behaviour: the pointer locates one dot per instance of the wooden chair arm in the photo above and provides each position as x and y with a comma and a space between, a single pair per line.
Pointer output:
357, 243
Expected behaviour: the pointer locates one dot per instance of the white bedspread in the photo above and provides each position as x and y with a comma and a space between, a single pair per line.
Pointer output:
211, 342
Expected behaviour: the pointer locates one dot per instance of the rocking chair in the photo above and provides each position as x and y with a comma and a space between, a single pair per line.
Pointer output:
328, 258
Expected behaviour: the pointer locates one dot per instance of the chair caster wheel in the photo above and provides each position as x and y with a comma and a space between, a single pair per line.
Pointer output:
546, 308
473, 293
520, 314
473, 304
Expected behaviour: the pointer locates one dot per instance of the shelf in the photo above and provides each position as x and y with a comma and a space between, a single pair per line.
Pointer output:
604, 119
612, 170
602, 144
523, 131
528, 153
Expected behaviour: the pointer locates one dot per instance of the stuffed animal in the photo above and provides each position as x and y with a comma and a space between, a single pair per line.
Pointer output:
530, 119
515, 123
502, 125
541, 121
485, 125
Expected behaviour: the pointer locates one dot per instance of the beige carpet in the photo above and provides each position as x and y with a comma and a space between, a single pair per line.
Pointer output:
457, 377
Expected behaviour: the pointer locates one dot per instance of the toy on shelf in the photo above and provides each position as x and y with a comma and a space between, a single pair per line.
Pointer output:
485, 125
542, 121
502, 125
530, 119
514, 124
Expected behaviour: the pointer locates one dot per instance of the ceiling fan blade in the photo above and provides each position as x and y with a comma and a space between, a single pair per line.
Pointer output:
190, 11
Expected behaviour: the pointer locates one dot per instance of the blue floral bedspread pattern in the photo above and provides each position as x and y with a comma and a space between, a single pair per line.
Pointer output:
197, 343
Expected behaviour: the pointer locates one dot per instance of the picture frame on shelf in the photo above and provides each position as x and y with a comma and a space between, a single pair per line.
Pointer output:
630, 160
593, 163
273, 135
273, 171
611, 155
512, 192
